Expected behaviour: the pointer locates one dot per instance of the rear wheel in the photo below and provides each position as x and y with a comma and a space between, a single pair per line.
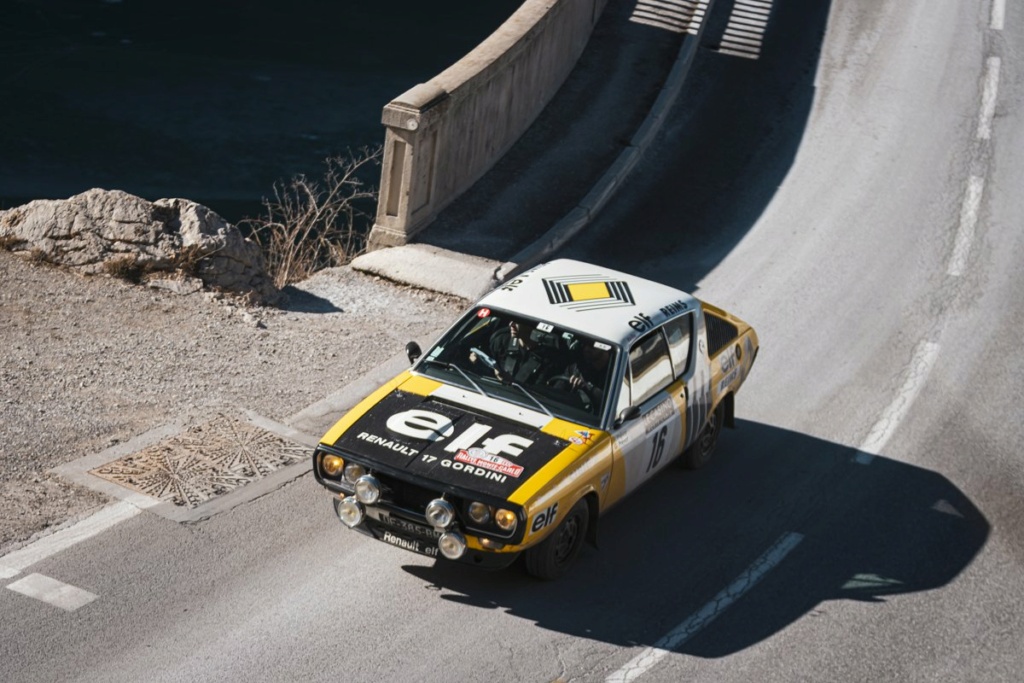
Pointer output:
552, 557
701, 450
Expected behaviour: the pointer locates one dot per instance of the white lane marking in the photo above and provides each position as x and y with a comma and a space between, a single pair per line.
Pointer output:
968, 222
745, 28
917, 374
998, 15
678, 16
945, 507
53, 592
13, 563
640, 664
873, 581
988, 98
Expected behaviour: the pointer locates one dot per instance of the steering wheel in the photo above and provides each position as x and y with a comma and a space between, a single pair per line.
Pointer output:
579, 391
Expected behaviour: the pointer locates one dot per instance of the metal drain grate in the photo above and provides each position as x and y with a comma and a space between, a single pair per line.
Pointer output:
205, 461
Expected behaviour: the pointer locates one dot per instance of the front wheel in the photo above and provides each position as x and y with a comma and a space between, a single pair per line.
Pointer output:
552, 557
701, 450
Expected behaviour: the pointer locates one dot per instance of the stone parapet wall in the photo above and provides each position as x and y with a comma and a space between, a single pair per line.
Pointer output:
443, 135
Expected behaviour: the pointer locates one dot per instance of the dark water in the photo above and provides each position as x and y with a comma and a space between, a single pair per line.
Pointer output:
212, 100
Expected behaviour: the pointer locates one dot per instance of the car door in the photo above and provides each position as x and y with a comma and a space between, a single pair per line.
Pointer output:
685, 335
651, 441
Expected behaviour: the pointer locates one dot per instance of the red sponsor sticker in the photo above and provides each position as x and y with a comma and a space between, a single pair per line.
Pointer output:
483, 313
478, 457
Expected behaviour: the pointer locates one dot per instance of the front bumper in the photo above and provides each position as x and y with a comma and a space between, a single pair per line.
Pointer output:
393, 529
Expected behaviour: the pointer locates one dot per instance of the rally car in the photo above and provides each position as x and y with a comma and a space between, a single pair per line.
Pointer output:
551, 399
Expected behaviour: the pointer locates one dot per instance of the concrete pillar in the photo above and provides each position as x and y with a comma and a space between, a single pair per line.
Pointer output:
408, 174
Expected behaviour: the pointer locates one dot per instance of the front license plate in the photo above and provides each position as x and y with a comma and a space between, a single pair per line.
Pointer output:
403, 524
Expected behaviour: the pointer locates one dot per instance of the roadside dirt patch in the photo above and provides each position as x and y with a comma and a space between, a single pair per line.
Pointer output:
90, 362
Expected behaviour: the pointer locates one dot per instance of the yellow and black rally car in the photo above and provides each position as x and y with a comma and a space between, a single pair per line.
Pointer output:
552, 398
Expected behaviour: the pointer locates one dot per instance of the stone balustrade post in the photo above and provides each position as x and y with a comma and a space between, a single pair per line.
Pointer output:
408, 176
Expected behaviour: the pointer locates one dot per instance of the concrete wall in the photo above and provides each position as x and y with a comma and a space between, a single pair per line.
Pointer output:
444, 134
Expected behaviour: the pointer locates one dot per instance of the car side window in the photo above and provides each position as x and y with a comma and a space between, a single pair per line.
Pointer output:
650, 366
679, 333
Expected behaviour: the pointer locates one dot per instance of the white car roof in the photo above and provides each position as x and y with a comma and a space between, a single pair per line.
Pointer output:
596, 301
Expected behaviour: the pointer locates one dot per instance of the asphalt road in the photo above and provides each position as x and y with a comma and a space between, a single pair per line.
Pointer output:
853, 195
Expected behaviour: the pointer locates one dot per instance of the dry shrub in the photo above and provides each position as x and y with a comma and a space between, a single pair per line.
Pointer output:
38, 255
309, 225
125, 268
188, 259
8, 242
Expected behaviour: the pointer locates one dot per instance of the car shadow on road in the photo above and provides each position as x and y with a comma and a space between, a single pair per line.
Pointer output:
866, 532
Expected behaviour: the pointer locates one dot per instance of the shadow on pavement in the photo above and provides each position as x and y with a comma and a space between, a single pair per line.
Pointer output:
726, 147
301, 301
869, 532
574, 140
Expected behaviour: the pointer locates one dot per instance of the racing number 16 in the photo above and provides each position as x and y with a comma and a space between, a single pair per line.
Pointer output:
658, 449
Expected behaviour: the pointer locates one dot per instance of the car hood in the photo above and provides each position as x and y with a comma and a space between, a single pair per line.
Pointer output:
434, 438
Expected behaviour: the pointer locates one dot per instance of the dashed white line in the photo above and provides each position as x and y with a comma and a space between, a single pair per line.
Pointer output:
998, 15
53, 592
968, 222
640, 664
988, 98
945, 507
13, 563
679, 16
917, 374
745, 29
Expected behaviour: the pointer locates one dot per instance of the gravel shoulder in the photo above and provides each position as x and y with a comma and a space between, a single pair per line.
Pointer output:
90, 362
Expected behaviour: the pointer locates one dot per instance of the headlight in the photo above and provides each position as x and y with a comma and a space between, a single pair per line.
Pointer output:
479, 513
440, 513
332, 464
367, 489
350, 512
506, 520
353, 472
452, 544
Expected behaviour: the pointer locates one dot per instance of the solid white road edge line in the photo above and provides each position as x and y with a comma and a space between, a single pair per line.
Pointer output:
13, 563
53, 592
998, 15
917, 374
989, 93
680, 634
968, 222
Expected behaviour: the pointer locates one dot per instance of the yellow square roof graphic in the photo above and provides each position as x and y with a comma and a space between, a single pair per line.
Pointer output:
586, 291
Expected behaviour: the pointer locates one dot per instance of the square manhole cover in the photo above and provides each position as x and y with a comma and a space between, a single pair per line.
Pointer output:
205, 461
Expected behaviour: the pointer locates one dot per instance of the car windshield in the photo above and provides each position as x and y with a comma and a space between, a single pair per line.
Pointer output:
525, 361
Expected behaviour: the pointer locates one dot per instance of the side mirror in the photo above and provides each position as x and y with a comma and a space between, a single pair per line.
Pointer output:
412, 349
627, 414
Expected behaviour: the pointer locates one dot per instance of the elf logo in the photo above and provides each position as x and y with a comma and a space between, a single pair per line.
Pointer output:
544, 518
430, 426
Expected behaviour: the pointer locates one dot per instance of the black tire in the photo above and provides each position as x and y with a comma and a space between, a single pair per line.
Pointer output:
553, 556
700, 451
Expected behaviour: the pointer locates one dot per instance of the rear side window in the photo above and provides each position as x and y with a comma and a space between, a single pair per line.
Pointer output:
679, 333
649, 366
